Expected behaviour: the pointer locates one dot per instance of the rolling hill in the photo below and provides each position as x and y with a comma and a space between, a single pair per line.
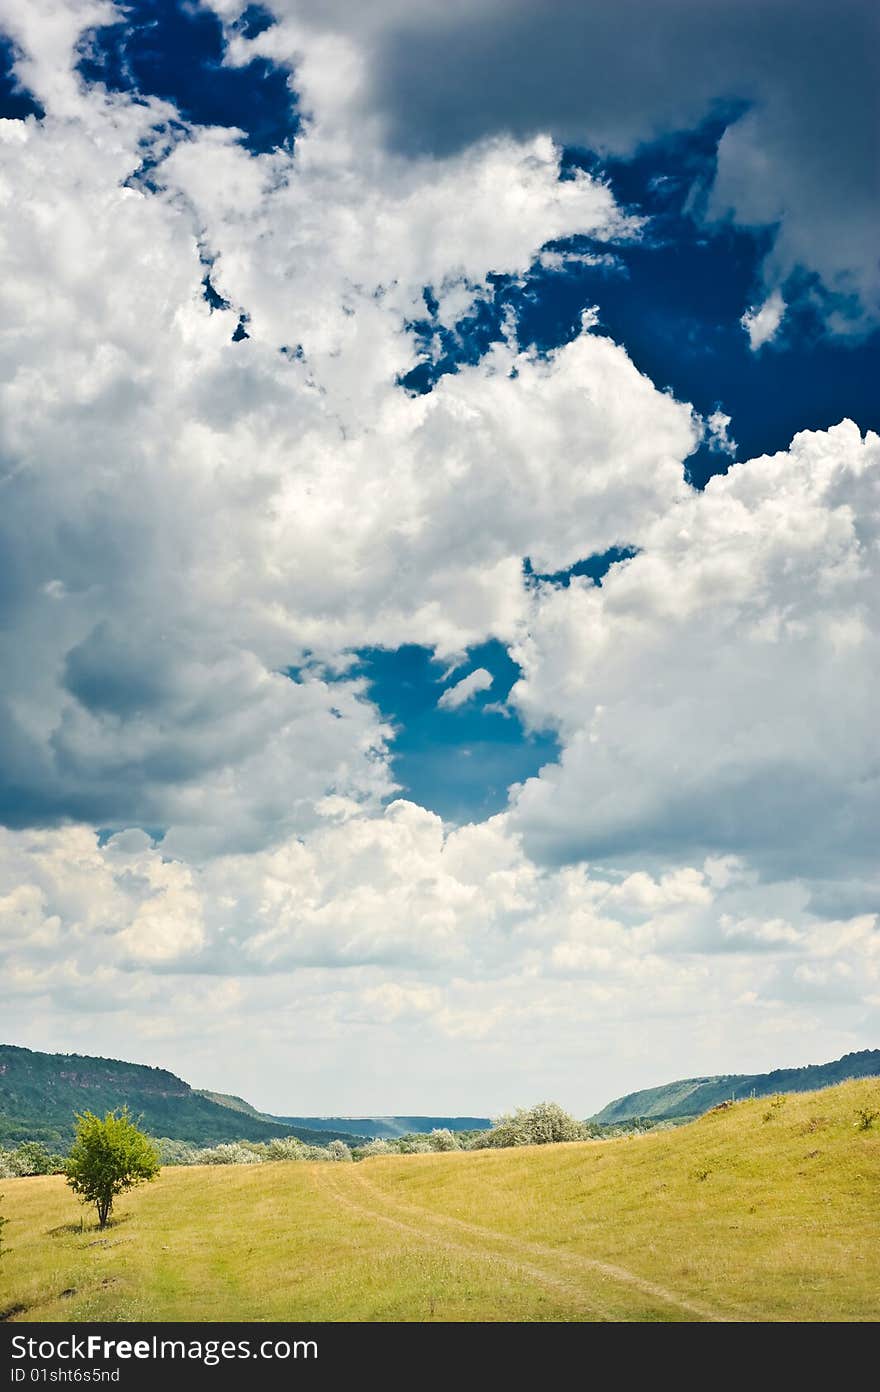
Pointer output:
756, 1212
41, 1093
692, 1096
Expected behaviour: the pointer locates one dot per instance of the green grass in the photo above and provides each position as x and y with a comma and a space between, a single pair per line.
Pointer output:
731, 1217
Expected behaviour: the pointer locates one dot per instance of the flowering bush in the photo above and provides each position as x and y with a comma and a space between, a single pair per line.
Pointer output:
229, 1153
29, 1158
443, 1139
175, 1152
376, 1147
284, 1148
542, 1124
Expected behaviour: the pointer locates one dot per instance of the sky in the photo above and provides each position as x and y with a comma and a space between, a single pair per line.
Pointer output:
439, 543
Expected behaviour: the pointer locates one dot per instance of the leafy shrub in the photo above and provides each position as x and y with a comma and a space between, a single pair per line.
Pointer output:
29, 1158
441, 1138
376, 1147
108, 1156
3, 1222
228, 1153
543, 1124
284, 1148
865, 1118
413, 1144
338, 1150
173, 1152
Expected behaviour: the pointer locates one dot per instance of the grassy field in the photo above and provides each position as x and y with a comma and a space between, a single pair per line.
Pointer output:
757, 1212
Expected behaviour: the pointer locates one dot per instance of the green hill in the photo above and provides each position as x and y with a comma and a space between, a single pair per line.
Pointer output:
388, 1127
235, 1104
40, 1094
692, 1096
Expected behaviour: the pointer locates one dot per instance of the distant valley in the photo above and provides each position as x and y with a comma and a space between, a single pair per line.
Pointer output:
41, 1093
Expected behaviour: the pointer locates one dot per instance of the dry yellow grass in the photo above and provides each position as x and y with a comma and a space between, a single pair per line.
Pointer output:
733, 1217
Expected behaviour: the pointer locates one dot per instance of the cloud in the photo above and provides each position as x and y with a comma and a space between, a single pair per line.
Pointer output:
714, 694
462, 691
390, 942
198, 531
800, 158
716, 429
762, 324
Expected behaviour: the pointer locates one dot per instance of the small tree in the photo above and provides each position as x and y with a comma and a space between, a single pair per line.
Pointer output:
338, 1150
107, 1157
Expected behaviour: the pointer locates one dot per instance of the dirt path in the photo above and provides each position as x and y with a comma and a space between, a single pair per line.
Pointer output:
331, 1181
351, 1187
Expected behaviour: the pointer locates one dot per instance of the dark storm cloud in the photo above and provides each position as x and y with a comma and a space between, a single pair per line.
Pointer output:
612, 76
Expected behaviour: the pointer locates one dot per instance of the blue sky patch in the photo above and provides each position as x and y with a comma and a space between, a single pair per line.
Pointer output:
594, 567
175, 52
15, 101
213, 297
459, 763
253, 21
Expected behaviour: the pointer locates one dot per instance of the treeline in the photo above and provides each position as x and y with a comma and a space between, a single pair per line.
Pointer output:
173, 1152
544, 1124
29, 1158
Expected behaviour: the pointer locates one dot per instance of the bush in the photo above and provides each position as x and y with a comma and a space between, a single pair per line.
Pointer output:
29, 1158
108, 1157
376, 1147
173, 1152
413, 1144
443, 1139
284, 1148
3, 1222
228, 1153
338, 1150
544, 1124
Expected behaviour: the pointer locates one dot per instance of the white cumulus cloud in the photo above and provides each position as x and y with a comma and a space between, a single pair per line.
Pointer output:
716, 692
462, 691
762, 324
